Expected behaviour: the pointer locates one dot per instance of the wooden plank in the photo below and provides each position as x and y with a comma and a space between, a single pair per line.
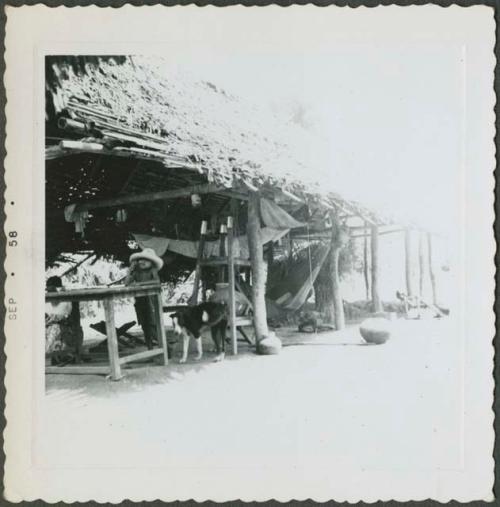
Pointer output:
160, 326
220, 261
112, 341
81, 146
140, 355
97, 293
232, 295
208, 188
77, 370
244, 321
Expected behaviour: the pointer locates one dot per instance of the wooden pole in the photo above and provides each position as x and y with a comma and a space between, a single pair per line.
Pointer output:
193, 300
162, 337
336, 245
77, 328
431, 269
151, 196
421, 265
222, 252
377, 304
232, 283
114, 359
259, 272
365, 265
409, 284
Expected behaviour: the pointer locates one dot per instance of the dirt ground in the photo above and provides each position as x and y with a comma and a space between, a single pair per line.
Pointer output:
326, 398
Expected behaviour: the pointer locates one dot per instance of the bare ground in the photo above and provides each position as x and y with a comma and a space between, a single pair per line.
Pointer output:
327, 398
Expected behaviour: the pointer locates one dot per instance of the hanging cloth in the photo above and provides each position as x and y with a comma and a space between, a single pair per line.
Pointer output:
211, 248
276, 217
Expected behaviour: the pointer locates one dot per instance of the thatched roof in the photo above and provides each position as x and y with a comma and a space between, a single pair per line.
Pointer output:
192, 122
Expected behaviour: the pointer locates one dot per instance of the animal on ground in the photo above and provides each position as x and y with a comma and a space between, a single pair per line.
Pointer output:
312, 322
193, 320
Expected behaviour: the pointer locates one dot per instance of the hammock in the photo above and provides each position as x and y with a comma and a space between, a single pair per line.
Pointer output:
292, 292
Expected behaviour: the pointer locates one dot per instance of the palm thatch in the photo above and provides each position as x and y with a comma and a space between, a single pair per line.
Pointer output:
137, 105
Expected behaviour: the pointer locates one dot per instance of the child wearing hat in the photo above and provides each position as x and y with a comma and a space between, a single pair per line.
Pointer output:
144, 267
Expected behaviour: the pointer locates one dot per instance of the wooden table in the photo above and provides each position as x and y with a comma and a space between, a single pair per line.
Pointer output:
108, 295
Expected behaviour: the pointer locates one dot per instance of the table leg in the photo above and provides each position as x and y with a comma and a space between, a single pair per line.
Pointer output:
114, 359
78, 331
161, 328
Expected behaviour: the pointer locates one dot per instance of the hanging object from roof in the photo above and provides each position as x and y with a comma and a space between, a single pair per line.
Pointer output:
121, 215
196, 200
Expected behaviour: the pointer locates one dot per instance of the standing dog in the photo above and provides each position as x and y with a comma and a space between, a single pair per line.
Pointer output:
193, 320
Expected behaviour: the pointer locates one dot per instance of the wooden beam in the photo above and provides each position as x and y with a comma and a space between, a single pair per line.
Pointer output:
208, 188
139, 356
293, 197
381, 233
77, 370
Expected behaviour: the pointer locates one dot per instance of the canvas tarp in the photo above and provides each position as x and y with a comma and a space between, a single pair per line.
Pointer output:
277, 224
211, 248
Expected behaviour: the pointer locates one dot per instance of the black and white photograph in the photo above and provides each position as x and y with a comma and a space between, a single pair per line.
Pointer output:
263, 244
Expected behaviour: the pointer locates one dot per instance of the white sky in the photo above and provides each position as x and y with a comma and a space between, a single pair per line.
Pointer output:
392, 117
385, 92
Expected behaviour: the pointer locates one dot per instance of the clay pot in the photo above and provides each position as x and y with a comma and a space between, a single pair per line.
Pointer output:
375, 330
269, 345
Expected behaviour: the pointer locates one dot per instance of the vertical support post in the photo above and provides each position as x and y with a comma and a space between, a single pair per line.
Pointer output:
222, 251
409, 284
114, 360
231, 280
431, 269
421, 268
335, 247
365, 262
161, 327
259, 272
377, 304
193, 300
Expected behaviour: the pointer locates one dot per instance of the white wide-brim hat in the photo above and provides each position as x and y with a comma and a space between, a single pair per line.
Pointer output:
150, 255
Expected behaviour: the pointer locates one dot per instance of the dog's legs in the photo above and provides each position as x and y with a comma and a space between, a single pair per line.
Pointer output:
185, 345
199, 348
220, 331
